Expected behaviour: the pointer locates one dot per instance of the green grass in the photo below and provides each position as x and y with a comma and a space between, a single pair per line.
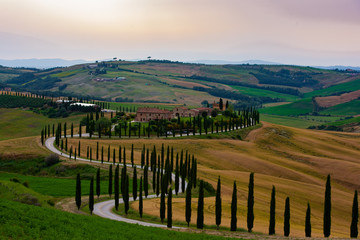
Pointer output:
348, 86
346, 121
17, 123
300, 107
288, 121
346, 109
53, 186
21, 221
265, 93
18, 192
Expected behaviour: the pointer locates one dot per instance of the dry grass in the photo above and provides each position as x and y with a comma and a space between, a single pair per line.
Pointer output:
296, 161
330, 101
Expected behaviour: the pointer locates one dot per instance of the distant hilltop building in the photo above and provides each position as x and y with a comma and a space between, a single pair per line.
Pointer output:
146, 114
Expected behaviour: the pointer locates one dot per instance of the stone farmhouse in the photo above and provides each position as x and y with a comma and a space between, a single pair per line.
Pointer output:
146, 114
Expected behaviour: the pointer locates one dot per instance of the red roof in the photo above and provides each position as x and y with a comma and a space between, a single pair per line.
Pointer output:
152, 110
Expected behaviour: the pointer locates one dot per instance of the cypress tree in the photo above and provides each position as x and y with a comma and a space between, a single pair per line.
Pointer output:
119, 154
109, 153
218, 204
162, 206
102, 154
90, 154
97, 150
169, 209
135, 184
98, 183
78, 191
272, 213
114, 156
355, 217
177, 175
233, 209
126, 200
65, 130
146, 184
110, 181
327, 208
200, 209
91, 196
308, 222
141, 198
72, 130
66, 145
116, 187
250, 203
79, 150
143, 157
188, 204
80, 130
42, 137
287, 217
158, 183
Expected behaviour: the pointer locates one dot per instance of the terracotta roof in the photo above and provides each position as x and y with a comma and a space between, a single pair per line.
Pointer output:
203, 109
152, 110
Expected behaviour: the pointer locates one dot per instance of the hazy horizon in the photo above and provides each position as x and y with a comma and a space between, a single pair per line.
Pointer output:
320, 33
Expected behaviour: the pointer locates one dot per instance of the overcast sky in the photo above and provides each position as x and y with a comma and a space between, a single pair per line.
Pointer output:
303, 32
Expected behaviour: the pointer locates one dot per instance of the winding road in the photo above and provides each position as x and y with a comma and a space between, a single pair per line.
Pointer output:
105, 209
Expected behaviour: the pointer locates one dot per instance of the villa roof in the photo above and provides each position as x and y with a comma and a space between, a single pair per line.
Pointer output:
151, 110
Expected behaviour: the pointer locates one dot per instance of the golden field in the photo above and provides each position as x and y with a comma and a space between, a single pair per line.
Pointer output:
295, 161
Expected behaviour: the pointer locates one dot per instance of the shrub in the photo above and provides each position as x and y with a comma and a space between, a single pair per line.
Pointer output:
26, 184
51, 159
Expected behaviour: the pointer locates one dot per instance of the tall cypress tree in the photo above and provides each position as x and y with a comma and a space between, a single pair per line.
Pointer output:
287, 217
169, 209
102, 154
80, 130
126, 200
98, 183
132, 155
146, 184
110, 181
141, 197
250, 203
91, 196
200, 209
134, 184
97, 150
327, 208
109, 153
78, 191
272, 213
72, 130
218, 204
177, 174
116, 187
79, 150
308, 221
188, 204
355, 217
162, 206
234, 209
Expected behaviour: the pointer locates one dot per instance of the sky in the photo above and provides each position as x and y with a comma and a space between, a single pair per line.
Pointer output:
300, 32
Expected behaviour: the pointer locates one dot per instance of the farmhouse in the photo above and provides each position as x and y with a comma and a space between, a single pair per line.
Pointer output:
148, 114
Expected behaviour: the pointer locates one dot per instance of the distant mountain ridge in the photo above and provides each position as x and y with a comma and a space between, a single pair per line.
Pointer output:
41, 63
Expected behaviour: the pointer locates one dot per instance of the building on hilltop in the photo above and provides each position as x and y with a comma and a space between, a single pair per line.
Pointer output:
216, 106
147, 114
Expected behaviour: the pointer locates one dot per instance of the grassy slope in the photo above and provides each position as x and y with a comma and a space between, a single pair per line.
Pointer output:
265, 93
17, 123
345, 109
346, 121
20, 221
296, 161
288, 121
292, 109
348, 86
54, 186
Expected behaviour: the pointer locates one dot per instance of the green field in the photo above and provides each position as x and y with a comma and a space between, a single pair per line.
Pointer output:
304, 106
21, 221
346, 109
288, 121
17, 123
55, 187
265, 93
343, 87
346, 121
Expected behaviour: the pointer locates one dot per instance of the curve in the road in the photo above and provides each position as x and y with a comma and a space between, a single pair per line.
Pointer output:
104, 209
